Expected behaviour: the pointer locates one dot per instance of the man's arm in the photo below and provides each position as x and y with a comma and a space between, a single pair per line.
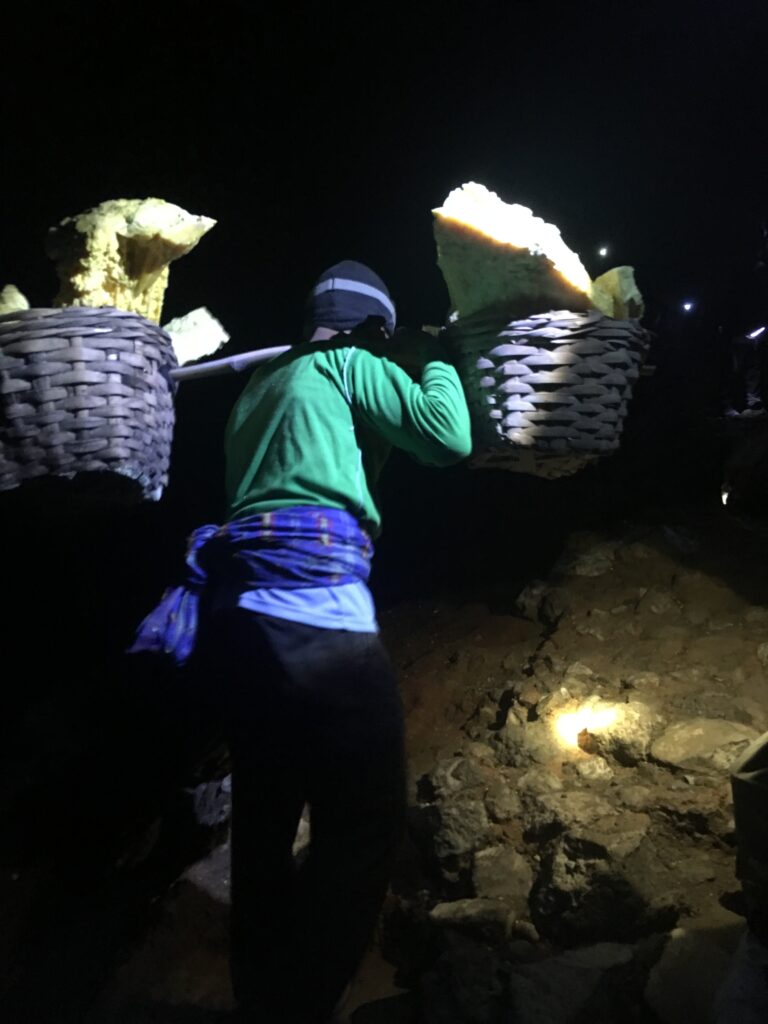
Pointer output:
426, 417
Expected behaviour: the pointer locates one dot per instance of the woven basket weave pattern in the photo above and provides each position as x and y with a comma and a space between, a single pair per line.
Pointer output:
84, 389
549, 394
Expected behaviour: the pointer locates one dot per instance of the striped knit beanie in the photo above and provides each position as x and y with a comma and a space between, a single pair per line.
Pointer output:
345, 295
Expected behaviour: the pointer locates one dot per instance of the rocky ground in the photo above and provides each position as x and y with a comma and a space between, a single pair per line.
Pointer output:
571, 845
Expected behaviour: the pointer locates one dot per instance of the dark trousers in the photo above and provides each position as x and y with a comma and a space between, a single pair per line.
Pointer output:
312, 716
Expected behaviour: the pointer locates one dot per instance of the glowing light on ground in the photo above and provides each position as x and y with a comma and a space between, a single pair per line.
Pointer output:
570, 724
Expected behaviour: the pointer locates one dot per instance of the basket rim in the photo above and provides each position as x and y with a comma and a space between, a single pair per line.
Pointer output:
35, 314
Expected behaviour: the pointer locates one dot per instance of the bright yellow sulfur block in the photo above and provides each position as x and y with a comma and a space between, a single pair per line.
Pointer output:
118, 253
497, 255
11, 300
617, 291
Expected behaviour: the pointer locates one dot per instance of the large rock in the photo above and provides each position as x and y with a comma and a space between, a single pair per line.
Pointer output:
537, 781
466, 984
595, 769
628, 737
757, 615
588, 818
657, 601
529, 600
590, 558
622, 730
501, 872
487, 919
703, 744
520, 744
581, 897
397, 1009
501, 801
683, 984
182, 962
564, 809
463, 825
555, 991
453, 774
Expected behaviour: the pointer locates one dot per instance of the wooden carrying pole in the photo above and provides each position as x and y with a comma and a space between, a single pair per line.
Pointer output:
236, 364
232, 364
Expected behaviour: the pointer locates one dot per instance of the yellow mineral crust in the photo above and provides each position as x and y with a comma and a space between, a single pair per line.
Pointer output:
495, 255
11, 300
118, 253
617, 289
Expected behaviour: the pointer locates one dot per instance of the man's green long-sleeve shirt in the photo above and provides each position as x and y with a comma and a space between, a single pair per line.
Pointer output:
315, 426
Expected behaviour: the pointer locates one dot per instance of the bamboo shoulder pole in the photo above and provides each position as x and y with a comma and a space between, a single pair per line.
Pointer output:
232, 364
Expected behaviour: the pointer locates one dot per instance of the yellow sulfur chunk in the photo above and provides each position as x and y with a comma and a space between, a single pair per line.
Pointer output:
496, 255
11, 300
617, 289
118, 253
195, 335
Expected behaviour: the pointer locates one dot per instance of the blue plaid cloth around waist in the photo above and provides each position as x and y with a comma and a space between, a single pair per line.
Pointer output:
303, 546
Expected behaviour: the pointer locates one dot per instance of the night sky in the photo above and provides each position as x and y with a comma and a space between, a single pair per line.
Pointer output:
330, 133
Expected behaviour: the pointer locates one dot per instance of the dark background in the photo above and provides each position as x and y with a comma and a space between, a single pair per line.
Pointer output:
329, 132
314, 135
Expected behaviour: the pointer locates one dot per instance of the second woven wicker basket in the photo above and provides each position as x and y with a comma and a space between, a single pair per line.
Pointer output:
547, 394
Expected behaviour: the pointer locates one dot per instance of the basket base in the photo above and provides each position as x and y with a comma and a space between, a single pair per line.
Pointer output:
94, 491
547, 465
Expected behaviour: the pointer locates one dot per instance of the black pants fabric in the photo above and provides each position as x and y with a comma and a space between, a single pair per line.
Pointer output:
312, 716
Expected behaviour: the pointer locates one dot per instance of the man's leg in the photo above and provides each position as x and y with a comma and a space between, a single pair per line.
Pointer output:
357, 802
263, 722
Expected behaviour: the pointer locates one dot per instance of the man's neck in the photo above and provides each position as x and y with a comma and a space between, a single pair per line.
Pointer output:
324, 333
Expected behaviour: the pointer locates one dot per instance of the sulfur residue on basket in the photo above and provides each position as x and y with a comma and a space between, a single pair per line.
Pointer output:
11, 300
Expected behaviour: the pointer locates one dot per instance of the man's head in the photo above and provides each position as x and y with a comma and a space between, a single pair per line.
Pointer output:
344, 297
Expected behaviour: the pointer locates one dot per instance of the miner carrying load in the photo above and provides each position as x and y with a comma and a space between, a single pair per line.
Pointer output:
289, 638
311, 704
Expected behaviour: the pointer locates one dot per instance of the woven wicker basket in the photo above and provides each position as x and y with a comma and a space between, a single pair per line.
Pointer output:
84, 390
548, 394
